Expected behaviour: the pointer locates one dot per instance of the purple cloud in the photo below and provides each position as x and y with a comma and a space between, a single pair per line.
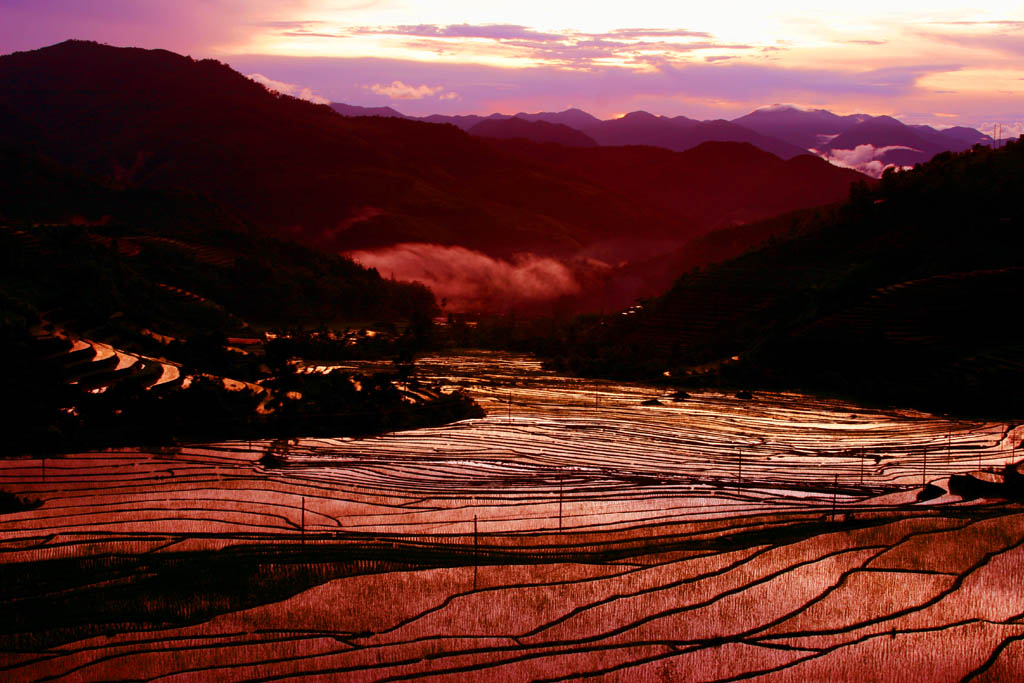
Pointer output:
655, 33
1001, 22
602, 90
492, 31
570, 48
867, 159
1011, 43
503, 32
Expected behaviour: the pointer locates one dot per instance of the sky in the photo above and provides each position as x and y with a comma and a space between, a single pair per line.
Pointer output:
941, 62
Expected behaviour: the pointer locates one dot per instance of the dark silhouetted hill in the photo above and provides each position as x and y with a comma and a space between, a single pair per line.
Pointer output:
93, 254
574, 118
680, 133
955, 139
808, 129
903, 294
463, 121
907, 146
966, 136
823, 130
783, 130
713, 185
160, 120
125, 319
536, 131
355, 110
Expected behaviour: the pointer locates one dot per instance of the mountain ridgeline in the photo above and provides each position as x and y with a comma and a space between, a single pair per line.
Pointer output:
903, 294
296, 171
154, 206
92, 253
785, 131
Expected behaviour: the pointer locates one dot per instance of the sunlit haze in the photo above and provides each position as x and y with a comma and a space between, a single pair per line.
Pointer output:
941, 63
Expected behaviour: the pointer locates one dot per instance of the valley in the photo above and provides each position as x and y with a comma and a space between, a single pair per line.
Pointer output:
303, 389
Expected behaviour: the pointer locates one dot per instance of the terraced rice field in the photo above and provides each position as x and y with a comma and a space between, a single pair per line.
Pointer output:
572, 532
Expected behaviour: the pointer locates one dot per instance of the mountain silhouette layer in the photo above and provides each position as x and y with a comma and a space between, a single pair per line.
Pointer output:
899, 295
296, 170
868, 143
157, 119
536, 131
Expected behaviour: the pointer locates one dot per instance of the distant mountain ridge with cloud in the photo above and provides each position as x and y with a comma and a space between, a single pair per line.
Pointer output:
411, 194
860, 141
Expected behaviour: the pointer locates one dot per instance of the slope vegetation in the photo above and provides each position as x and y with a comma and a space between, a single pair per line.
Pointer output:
900, 294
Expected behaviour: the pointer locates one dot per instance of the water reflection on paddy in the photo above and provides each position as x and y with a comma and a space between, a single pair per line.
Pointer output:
709, 454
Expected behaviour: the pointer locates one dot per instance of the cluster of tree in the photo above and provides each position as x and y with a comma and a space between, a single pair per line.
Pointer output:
10, 502
386, 340
52, 415
346, 403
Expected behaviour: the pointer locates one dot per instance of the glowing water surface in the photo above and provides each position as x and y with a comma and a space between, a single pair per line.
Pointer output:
553, 453
593, 445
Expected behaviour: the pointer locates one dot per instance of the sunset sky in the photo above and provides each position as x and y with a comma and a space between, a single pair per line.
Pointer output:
939, 62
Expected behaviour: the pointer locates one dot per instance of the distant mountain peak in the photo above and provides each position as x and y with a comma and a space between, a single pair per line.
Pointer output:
572, 117
639, 115
888, 120
778, 107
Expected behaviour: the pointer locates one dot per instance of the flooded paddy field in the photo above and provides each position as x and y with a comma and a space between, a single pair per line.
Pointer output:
564, 453
579, 529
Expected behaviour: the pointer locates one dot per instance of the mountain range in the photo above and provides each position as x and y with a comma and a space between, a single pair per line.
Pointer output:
300, 171
145, 186
867, 143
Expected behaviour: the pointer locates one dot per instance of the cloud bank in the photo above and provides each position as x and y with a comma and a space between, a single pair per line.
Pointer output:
569, 47
864, 158
300, 91
466, 280
705, 68
721, 89
397, 90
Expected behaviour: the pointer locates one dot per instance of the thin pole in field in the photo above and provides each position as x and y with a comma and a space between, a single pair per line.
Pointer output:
835, 493
1013, 446
559, 502
476, 550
